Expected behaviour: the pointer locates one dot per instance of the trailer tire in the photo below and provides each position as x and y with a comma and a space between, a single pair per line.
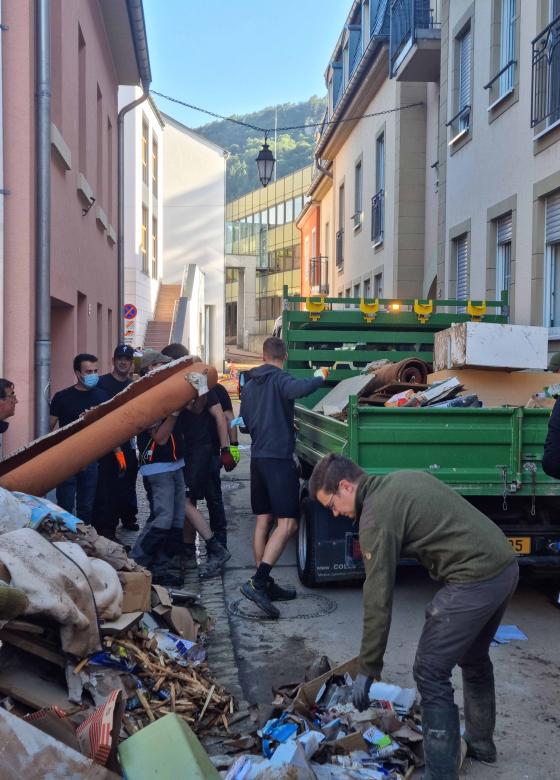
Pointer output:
306, 545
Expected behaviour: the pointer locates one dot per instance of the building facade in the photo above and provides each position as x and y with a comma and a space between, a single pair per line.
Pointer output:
95, 46
194, 213
143, 211
261, 226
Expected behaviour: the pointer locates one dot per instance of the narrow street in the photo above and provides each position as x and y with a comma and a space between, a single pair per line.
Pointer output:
327, 621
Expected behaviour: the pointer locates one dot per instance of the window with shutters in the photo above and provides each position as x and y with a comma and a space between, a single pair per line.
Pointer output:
552, 261
504, 232
461, 269
358, 192
144, 240
460, 123
504, 51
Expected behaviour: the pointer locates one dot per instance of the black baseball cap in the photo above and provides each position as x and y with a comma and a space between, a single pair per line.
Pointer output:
125, 351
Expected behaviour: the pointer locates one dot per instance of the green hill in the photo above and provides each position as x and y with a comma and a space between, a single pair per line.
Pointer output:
294, 148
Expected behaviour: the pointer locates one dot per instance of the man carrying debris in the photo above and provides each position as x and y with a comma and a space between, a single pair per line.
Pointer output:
267, 409
413, 514
115, 498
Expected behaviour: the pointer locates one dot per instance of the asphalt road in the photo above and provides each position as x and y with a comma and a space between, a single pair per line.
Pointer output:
327, 621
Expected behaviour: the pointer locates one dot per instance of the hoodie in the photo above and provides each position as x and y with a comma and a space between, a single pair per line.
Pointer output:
267, 409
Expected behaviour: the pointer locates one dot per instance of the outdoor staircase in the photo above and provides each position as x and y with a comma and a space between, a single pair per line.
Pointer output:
158, 331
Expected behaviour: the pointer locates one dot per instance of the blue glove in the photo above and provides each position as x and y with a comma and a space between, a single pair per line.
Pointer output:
360, 692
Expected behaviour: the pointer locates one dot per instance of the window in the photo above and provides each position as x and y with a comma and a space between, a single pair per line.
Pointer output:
110, 172
358, 188
378, 200
155, 155
100, 134
461, 122
154, 248
340, 232
347, 295
82, 98
145, 134
357, 290
461, 269
264, 216
144, 240
507, 46
378, 285
325, 250
504, 231
552, 261
545, 97
272, 215
289, 211
280, 213
298, 205
367, 289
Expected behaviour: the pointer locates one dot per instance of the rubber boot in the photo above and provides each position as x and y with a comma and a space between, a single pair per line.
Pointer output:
442, 743
217, 556
148, 547
480, 716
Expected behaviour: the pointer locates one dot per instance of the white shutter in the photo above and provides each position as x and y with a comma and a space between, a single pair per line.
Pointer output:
507, 44
552, 219
462, 258
465, 63
504, 229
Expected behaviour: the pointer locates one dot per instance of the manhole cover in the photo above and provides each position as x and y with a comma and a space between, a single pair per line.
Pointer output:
306, 606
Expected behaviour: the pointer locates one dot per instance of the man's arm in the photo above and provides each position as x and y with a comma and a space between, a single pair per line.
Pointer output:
292, 388
232, 432
53, 421
381, 551
161, 433
221, 426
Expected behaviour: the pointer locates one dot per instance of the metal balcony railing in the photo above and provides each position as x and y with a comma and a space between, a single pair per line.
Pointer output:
407, 17
545, 76
340, 248
378, 217
319, 275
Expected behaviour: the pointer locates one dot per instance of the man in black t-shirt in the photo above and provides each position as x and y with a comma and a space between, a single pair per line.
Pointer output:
66, 406
115, 498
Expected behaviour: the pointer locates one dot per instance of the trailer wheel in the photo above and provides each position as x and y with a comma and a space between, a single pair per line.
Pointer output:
306, 545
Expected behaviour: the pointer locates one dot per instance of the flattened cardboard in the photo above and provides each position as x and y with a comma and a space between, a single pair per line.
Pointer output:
136, 587
160, 595
121, 625
498, 388
181, 623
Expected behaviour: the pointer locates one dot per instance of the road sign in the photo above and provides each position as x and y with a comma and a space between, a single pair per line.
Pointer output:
130, 311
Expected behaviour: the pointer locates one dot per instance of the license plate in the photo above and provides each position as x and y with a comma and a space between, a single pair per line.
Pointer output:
521, 545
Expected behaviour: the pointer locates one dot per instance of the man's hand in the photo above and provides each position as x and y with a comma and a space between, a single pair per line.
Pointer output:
121, 460
234, 449
226, 459
360, 692
324, 372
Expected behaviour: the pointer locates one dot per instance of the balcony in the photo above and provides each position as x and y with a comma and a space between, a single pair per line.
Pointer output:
377, 217
340, 249
319, 275
415, 41
545, 78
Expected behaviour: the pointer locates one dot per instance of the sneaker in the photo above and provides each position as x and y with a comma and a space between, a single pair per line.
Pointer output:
258, 594
167, 579
278, 593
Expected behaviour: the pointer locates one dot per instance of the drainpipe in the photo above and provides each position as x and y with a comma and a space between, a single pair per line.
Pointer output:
120, 175
43, 217
321, 168
2, 194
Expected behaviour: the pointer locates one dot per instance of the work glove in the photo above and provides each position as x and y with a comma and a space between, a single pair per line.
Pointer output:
234, 449
323, 372
121, 460
360, 692
226, 459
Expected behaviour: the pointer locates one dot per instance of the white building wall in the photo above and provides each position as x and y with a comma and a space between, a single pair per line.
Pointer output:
141, 289
431, 187
194, 214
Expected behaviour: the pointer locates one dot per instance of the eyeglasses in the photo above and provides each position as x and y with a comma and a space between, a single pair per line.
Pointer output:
330, 505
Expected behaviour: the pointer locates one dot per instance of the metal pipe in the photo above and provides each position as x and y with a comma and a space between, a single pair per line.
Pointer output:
43, 216
120, 196
2, 194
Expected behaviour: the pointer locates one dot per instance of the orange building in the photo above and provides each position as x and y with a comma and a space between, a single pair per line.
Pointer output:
314, 265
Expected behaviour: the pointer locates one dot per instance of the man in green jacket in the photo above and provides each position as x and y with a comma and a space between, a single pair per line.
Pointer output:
414, 515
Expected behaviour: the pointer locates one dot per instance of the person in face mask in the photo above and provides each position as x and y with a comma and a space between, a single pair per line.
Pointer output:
77, 494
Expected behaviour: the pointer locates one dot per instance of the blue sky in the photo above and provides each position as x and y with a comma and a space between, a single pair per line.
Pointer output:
237, 56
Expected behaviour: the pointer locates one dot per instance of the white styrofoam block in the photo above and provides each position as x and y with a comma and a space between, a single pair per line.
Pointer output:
491, 345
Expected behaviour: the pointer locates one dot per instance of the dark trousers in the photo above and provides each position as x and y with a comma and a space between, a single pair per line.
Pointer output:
115, 497
202, 475
77, 494
168, 507
461, 621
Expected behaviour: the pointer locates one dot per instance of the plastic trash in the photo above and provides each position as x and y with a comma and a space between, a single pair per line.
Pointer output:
506, 634
42, 508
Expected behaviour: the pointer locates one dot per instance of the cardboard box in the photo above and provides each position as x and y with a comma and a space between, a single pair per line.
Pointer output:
136, 587
305, 700
498, 388
491, 345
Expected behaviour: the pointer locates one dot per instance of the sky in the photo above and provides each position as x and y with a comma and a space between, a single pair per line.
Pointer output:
238, 56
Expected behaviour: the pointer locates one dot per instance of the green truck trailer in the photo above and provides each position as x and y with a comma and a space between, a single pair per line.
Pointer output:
492, 456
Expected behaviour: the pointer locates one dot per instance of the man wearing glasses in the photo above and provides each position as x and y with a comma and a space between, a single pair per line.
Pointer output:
8, 401
412, 514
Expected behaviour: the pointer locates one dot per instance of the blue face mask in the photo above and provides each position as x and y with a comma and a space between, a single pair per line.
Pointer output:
90, 380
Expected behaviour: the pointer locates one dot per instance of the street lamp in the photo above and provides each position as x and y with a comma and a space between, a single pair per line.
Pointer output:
265, 163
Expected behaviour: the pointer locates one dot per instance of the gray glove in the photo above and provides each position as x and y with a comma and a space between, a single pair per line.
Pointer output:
360, 692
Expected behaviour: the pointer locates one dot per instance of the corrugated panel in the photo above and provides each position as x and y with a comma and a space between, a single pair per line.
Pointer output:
505, 229
465, 70
552, 219
462, 258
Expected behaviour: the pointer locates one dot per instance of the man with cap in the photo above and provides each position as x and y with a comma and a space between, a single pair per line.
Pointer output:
115, 497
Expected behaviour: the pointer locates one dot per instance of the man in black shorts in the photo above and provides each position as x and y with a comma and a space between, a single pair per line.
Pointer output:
267, 409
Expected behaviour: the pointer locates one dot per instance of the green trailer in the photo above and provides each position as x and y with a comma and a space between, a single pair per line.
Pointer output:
492, 456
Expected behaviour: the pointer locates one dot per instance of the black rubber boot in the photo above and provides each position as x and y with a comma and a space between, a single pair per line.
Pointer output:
442, 743
217, 553
480, 715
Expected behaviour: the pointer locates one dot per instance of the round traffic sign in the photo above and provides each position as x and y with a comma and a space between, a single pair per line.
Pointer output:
130, 311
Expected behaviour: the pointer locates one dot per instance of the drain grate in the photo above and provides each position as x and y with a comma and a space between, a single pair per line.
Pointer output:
305, 607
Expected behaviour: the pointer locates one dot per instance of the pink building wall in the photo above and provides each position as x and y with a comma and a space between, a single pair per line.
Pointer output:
84, 274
